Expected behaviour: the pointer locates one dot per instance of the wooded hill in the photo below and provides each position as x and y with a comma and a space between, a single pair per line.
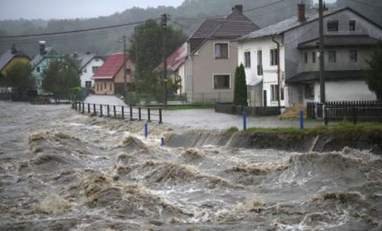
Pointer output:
188, 16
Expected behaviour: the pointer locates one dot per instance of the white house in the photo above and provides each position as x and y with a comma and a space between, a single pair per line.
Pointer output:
89, 63
349, 40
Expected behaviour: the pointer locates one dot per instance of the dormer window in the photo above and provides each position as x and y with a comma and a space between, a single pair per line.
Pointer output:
352, 24
332, 25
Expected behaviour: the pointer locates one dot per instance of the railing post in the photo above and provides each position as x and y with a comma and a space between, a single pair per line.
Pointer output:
123, 112
100, 108
83, 107
160, 115
139, 114
301, 119
89, 108
244, 121
94, 109
131, 113
108, 110
115, 112
326, 119
148, 115
79, 106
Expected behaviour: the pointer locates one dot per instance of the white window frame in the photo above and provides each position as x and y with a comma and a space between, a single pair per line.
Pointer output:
213, 81
228, 52
247, 65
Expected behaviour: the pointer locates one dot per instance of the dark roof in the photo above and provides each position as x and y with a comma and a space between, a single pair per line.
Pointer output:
83, 59
233, 26
176, 59
111, 67
293, 22
341, 41
8, 56
329, 75
49, 52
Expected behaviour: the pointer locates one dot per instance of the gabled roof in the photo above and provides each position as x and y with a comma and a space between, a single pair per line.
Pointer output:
234, 25
83, 59
8, 56
111, 67
341, 41
293, 22
176, 59
49, 52
329, 75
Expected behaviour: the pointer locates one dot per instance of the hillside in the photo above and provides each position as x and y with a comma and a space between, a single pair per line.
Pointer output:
188, 16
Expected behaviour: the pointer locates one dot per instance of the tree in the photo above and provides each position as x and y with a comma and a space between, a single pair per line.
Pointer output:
373, 73
60, 77
240, 90
146, 45
19, 78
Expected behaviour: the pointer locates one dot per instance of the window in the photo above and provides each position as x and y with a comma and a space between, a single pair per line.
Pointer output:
128, 71
111, 86
100, 86
247, 59
96, 59
221, 81
352, 24
282, 93
314, 54
274, 57
332, 25
88, 84
259, 62
331, 56
38, 69
97, 86
85, 70
353, 56
221, 50
105, 85
309, 91
306, 57
274, 92
95, 69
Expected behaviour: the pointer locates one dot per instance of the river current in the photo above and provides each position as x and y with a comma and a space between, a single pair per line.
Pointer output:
61, 170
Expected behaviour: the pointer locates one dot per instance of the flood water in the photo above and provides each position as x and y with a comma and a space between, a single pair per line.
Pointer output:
60, 170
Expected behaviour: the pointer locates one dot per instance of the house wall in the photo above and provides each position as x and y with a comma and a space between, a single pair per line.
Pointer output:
182, 73
13, 61
269, 76
201, 67
342, 60
350, 91
104, 87
87, 71
119, 76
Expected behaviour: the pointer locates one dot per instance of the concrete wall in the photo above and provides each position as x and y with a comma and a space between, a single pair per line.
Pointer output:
202, 66
87, 71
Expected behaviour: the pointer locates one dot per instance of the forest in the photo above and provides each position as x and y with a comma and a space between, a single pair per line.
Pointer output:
187, 17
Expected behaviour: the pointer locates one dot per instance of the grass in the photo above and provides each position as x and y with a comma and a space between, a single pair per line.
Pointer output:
343, 128
200, 105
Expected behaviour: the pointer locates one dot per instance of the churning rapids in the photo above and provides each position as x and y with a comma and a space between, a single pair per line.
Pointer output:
60, 170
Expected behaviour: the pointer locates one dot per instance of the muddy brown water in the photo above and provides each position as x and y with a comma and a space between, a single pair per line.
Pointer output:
60, 170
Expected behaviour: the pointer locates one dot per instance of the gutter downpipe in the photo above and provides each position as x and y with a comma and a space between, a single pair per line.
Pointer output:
278, 71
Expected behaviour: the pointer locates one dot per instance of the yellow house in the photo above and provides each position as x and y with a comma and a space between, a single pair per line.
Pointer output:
10, 57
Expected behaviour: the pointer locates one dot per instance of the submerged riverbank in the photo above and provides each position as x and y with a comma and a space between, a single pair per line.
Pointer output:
60, 170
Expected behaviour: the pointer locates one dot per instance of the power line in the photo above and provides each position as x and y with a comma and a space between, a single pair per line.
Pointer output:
260, 7
74, 31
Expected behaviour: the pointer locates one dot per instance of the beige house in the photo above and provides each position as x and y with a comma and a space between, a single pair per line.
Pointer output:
109, 79
212, 57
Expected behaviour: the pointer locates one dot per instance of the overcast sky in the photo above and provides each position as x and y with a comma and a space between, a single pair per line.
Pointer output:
60, 9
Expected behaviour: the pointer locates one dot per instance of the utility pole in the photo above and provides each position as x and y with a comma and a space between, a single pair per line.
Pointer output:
165, 80
136, 55
321, 51
124, 66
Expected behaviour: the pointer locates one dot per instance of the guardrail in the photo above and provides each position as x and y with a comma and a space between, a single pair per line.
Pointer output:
120, 112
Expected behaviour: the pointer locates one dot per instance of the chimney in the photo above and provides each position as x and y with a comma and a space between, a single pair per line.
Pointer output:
239, 8
301, 12
42, 47
13, 49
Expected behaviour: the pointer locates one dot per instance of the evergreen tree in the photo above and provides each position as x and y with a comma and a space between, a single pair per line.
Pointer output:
374, 72
19, 78
61, 77
240, 90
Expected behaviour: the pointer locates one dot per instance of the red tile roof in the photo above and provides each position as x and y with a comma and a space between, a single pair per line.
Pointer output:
111, 67
176, 59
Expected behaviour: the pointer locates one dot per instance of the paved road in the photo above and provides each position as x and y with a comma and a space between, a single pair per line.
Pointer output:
208, 118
